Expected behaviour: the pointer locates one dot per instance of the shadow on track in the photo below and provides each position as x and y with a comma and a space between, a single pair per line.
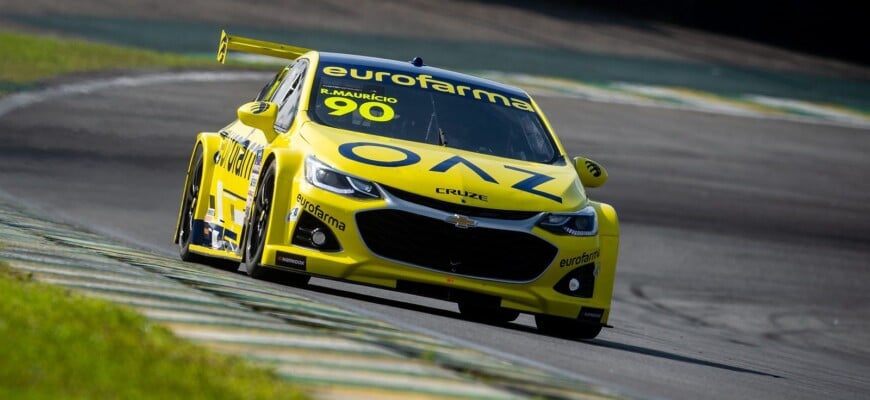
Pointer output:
522, 328
675, 357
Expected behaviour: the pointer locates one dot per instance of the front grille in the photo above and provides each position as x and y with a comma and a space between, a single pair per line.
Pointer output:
470, 211
436, 244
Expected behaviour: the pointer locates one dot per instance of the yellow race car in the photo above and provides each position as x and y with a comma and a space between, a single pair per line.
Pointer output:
408, 177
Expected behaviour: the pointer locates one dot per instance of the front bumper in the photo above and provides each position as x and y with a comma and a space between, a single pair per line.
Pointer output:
402, 242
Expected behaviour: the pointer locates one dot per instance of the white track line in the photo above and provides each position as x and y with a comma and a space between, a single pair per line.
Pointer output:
23, 99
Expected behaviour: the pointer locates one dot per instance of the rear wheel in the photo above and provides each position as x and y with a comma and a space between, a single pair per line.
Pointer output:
257, 227
566, 327
496, 315
188, 213
188, 210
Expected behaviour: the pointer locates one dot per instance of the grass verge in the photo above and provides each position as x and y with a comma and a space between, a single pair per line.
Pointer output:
31, 58
57, 344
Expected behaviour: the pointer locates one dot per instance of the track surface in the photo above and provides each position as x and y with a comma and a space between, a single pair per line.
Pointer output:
743, 270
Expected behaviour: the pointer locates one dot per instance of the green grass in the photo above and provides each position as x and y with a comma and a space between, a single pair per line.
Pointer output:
59, 345
30, 58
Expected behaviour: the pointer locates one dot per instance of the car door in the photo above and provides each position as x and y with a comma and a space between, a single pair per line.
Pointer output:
241, 146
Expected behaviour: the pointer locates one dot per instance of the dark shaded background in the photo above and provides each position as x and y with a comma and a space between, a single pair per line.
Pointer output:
834, 28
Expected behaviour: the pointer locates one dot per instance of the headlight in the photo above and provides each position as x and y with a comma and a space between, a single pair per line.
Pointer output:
328, 178
580, 223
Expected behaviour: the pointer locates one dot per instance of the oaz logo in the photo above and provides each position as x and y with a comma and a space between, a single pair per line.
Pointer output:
259, 107
593, 168
527, 185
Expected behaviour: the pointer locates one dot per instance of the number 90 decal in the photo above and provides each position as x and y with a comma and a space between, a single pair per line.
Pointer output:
370, 110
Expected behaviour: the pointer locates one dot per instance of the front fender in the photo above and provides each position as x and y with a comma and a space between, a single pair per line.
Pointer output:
288, 161
608, 232
608, 222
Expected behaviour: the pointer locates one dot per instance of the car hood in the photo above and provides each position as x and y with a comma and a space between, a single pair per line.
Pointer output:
447, 174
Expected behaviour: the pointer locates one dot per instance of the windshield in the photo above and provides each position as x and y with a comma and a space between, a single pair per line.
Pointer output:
430, 110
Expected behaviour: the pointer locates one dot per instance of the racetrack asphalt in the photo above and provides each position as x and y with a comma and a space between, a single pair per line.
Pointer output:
742, 268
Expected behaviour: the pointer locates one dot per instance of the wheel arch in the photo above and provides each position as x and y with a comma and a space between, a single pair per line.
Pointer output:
287, 164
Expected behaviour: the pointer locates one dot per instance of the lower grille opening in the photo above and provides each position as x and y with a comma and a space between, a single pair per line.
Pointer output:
436, 244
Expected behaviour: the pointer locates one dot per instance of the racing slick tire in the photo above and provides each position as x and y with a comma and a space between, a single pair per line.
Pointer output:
255, 235
495, 315
190, 202
566, 327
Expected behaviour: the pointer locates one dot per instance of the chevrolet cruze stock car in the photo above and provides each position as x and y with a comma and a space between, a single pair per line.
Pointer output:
403, 176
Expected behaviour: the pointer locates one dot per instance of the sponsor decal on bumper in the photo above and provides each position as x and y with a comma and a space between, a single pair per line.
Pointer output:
288, 260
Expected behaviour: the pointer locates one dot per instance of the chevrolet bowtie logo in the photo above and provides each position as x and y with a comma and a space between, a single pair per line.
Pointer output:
461, 221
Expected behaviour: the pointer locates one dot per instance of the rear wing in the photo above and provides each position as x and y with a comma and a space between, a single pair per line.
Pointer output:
255, 46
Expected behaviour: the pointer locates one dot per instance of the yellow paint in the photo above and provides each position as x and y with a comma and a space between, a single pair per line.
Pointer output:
427, 170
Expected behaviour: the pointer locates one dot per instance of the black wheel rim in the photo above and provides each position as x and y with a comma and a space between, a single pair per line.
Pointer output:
260, 218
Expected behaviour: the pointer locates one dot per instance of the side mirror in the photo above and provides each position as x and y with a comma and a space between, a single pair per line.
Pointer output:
260, 115
591, 173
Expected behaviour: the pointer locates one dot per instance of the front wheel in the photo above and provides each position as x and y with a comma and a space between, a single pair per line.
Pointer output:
566, 328
258, 227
